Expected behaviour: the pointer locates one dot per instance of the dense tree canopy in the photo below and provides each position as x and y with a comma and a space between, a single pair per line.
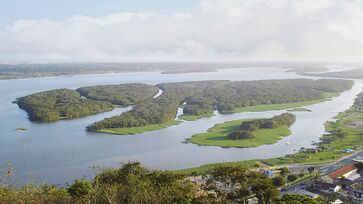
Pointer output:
236, 185
135, 184
248, 127
203, 96
60, 104
124, 94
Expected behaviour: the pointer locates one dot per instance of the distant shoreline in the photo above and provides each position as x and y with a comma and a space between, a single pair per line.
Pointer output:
187, 71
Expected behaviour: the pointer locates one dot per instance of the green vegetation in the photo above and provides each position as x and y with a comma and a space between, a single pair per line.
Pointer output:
294, 198
195, 117
131, 183
134, 184
251, 133
137, 130
60, 104
299, 110
124, 94
160, 110
283, 106
350, 74
203, 97
341, 135
21, 129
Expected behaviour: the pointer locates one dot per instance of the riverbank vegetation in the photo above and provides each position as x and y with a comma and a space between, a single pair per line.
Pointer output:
137, 130
203, 97
60, 104
299, 110
188, 117
341, 135
246, 132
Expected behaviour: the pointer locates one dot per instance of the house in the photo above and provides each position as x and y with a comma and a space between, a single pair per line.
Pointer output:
341, 173
358, 159
338, 201
326, 187
348, 150
269, 173
353, 178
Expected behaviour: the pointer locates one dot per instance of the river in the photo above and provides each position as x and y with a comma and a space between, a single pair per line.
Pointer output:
62, 151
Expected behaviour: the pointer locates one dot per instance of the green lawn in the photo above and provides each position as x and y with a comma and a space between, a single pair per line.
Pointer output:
137, 130
195, 117
283, 106
217, 136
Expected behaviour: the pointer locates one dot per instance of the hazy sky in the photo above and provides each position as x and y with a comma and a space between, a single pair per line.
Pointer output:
181, 30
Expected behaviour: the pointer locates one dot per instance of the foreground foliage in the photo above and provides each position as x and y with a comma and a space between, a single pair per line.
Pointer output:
134, 184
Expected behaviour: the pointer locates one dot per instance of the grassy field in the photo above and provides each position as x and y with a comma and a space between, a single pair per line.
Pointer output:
137, 130
330, 152
195, 117
217, 136
283, 106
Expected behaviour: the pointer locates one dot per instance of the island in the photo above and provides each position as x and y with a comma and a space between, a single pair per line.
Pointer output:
60, 104
349, 74
124, 94
53, 105
246, 132
202, 98
198, 99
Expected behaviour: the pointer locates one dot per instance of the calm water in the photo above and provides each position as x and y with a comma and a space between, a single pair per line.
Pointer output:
62, 151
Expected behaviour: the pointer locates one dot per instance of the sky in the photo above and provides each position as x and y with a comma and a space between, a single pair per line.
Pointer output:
175, 30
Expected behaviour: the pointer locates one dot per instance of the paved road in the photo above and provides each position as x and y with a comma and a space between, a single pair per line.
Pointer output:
341, 162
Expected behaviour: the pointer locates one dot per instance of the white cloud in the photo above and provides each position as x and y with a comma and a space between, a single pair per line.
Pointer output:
218, 30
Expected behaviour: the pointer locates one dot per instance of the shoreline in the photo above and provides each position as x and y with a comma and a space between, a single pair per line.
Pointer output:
323, 153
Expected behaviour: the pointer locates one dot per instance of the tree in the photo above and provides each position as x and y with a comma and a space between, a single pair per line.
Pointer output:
278, 181
80, 188
237, 185
133, 183
291, 177
264, 190
284, 171
296, 199
240, 135
311, 169
341, 133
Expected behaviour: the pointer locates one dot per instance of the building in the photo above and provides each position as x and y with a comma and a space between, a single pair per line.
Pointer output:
326, 187
299, 191
341, 173
269, 173
348, 150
